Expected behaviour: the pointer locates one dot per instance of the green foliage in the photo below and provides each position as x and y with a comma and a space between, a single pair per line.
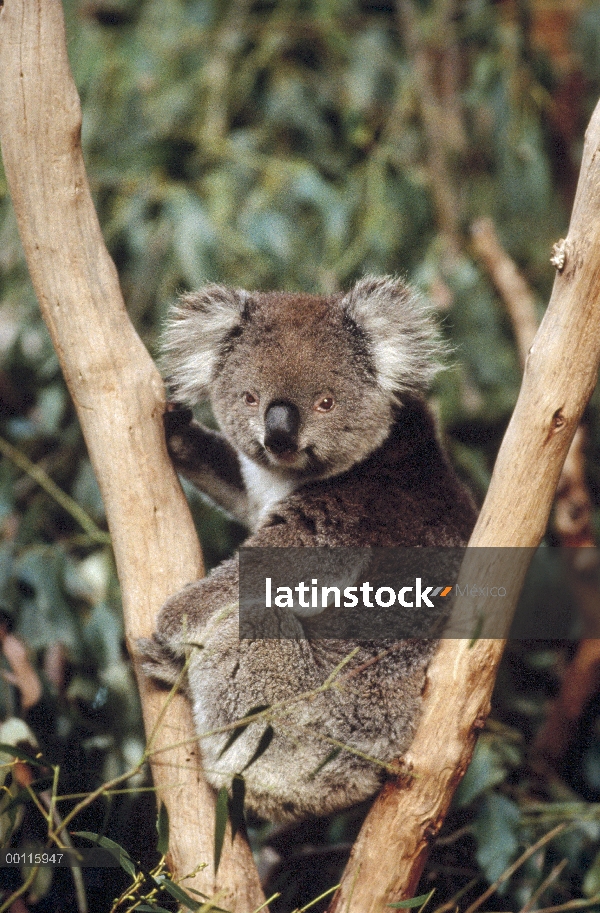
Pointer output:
286, 143
420, 902
162, 827
496, 835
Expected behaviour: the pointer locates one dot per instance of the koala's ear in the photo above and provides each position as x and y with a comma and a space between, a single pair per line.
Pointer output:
196, 332
401, 333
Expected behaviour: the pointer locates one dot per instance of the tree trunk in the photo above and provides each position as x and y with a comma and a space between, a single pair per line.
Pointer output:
119, 399
560, 375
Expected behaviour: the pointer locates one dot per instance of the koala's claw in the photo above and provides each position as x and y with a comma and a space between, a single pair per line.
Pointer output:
160, 661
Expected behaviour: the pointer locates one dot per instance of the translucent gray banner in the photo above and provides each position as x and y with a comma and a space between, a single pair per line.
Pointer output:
95, 857
395, 594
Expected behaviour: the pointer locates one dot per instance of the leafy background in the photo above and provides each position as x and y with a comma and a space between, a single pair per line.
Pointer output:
300, 144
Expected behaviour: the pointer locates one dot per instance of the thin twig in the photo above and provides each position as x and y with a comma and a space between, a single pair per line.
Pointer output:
510, 871
51, 488
453, 902
572, 905
556, 871
510, 284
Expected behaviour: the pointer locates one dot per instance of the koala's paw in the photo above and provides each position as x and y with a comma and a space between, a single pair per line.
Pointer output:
160, 661
176, 416
177, 423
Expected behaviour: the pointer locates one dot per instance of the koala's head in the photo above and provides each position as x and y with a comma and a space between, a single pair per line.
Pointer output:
304, 384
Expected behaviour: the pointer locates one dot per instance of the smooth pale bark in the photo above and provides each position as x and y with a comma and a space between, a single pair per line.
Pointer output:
119, 399
560, 375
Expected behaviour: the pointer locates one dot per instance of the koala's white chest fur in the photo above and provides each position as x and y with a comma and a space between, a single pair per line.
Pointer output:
265, 489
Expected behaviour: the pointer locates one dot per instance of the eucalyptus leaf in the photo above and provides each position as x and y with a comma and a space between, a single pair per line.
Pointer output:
162, 827
179, 894
239, 729
116, 850
485, 771
264, 742
221, 816
236, 805
496, 830
152, 908
419, 901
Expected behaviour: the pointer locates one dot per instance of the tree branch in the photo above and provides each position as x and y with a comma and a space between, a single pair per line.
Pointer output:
509, 282
119, 399
560, 374
572, 520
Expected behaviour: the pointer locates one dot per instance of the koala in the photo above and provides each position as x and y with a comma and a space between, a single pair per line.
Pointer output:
326, 441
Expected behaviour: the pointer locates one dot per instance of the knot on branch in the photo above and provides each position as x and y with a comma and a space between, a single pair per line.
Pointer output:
433, 828
559, 255
479, 722
557, 423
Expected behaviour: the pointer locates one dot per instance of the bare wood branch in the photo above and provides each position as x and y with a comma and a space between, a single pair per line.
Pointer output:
572, 520
573, 504
511, 286
118, 395
560, 374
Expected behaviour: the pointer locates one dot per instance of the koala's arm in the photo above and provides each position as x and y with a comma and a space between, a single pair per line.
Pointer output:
208, 460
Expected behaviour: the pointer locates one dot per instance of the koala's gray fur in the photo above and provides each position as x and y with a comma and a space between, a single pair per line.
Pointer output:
325, 442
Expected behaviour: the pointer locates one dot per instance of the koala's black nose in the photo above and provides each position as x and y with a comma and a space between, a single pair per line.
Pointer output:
282, 421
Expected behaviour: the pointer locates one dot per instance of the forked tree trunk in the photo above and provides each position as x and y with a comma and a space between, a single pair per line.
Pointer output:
119, 399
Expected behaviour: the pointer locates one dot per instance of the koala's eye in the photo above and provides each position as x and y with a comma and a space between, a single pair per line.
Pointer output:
250, 399
325, 405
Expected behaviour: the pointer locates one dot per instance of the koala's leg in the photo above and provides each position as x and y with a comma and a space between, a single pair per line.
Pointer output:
182, 620
207, 460
160, 662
